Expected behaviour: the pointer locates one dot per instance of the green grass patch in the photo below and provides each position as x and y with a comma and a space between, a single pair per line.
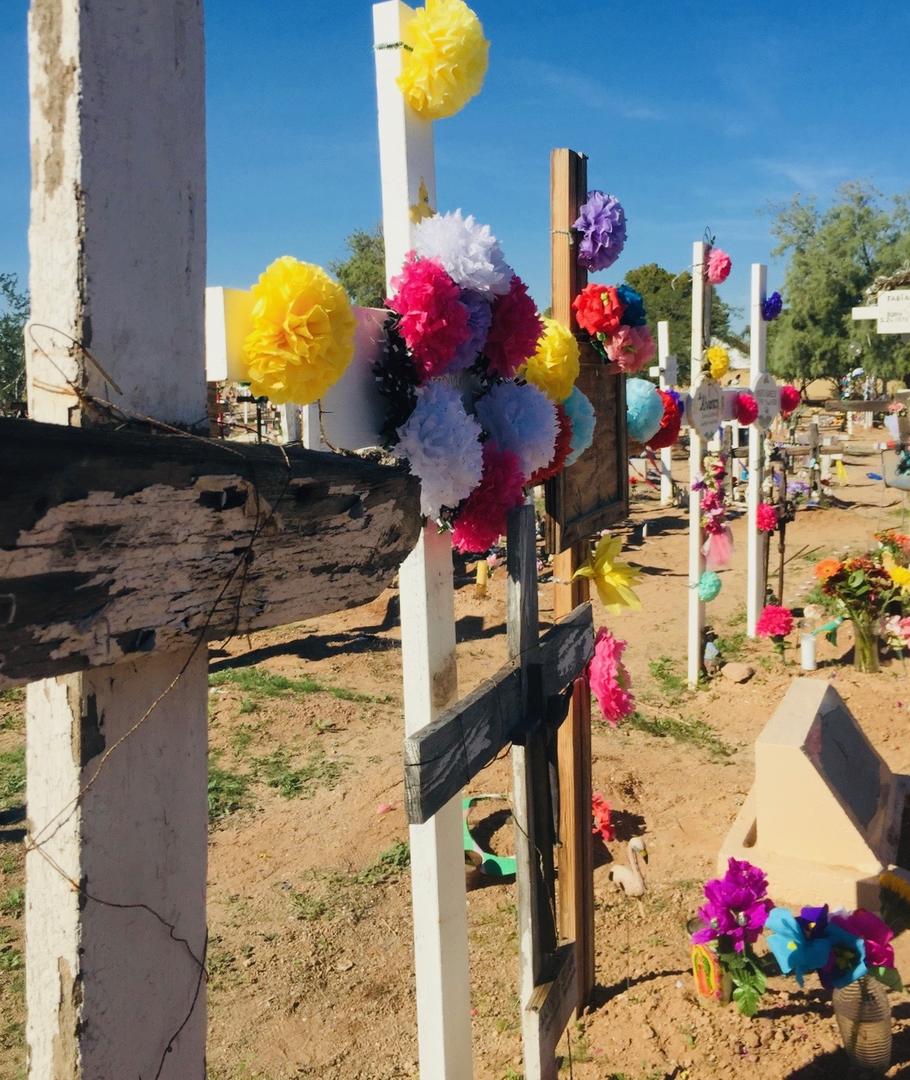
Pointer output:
391, 864
663, 672
276, 771
256, 682
12, 903
682, 729
15, 695
228, 791
733, 646
12, 777
307, 907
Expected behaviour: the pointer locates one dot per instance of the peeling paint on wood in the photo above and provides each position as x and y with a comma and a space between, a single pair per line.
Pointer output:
114, 544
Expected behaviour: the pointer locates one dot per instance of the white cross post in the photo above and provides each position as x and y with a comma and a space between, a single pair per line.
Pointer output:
667, 375
116, 847
427, 622
701, 327
755, 540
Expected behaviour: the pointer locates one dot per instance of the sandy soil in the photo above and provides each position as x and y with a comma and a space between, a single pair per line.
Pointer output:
310, 950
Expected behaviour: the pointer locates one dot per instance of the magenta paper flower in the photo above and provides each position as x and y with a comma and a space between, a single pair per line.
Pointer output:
482, 517
774, 621
737, 906
876, 934
719, 266
515, 330
631, 348
610, 682
765, 517
434, 322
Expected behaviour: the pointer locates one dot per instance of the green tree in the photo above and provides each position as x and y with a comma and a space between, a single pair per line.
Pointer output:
13, 316
362, 273
834, 255
669, 296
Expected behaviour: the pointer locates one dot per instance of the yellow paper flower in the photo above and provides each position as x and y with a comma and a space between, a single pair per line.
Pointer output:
613, 579
302, 336
718, 360
445, 58
554, 367
900, 575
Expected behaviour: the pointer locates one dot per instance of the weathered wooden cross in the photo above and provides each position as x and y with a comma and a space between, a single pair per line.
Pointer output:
125, 549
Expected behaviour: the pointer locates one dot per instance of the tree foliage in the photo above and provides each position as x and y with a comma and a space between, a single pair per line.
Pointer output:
834, 256
14, 308
362, 273
669, 296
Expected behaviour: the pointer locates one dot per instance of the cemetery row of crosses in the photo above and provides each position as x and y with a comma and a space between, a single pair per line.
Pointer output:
542, 712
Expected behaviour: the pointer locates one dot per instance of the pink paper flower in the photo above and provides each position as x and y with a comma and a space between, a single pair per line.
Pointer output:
610, 682
766, 517
719, 266
434, 321
774, 621
482, 517
515, 330
631, 348
746, 408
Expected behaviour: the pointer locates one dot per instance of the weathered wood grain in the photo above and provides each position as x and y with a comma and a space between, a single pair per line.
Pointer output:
117, 543
441, 758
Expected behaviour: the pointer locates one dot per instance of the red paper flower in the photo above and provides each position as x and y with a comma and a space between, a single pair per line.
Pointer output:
746, 409
789, 400
774, 622
603, 818
434, 321
514, 332
598, 309
765, 517
560, 452
668, 432
482, 518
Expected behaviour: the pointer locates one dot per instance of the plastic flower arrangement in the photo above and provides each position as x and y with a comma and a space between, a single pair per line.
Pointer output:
555, 365
612, 578
775, 622
445, 58
789, 400
609, 679
670, 423
766, 517
602, 225
581, 416
644, 410
718, 266
746, 409
860, 589
717, 360
301, 338
896, 632
718, 543
771, 307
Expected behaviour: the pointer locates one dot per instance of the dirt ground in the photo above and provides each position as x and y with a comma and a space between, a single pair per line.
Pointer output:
310, 950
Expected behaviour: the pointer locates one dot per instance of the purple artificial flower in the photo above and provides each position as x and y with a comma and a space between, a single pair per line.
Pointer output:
771, 307
602, 224
480, 316
737, 906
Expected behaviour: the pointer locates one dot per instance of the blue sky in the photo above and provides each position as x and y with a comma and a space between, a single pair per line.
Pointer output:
694, 114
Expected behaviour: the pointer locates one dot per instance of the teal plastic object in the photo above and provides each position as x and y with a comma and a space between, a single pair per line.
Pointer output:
708, 586
496, 866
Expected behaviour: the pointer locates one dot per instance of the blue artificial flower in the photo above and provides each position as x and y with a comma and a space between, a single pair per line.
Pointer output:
633, 306
796, 952
847, 961
771, 307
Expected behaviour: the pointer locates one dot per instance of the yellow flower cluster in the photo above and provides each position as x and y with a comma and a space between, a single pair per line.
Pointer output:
900, 575
718, 360
302, 336
445, 58
555, 365
612, 577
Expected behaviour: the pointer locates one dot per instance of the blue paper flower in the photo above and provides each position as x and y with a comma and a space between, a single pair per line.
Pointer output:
771, 307
644, 409
634, 313
581, 416
796, 952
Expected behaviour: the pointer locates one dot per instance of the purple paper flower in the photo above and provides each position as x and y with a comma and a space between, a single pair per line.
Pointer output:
480, 316
602, 224
737, 907
771, 307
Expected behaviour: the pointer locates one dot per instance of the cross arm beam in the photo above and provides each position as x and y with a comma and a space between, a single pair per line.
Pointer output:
443, 757
117, 543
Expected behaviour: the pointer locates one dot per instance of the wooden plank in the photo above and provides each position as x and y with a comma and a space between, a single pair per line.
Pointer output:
118, 543
554, 1001
878, 405
444, 756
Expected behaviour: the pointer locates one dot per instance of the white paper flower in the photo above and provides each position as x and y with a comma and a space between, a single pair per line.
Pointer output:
442, 445
520, 418
469, 252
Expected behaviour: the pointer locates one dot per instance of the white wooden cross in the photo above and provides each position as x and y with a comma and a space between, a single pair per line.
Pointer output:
123, 553
666, 369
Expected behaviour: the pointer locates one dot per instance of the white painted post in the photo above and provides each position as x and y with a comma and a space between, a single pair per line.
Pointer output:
291, 421
755, 541
115, 897
427, 626
701, 329
666, 455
